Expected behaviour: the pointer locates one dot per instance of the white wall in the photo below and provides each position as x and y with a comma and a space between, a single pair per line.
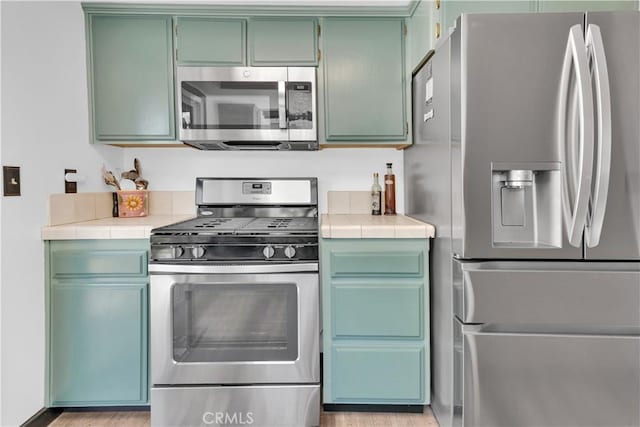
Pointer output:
336, 168
44, 130
0, 227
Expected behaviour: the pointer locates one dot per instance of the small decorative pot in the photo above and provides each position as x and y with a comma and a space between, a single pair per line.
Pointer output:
133, 203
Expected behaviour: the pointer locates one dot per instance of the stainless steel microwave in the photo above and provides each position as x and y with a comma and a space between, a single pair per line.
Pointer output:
256, 108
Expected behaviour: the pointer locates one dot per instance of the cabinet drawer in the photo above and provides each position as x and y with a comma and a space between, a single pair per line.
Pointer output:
374, 263
74, 263
378, 373
377, 310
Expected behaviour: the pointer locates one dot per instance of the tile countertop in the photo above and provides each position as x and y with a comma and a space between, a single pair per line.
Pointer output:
366, 226
88, 215
110, 228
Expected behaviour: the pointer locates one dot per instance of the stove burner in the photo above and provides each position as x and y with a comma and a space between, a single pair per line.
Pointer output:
235, 228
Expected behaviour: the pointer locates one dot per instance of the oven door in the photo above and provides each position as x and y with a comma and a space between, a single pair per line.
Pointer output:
235, 324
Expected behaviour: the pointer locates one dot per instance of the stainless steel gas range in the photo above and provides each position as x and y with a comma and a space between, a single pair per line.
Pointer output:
235, 307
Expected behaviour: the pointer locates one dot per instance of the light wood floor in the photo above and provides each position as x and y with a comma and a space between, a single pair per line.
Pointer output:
327, 419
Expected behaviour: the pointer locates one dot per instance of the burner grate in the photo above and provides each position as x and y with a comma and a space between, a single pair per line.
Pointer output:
280, 223
243, 226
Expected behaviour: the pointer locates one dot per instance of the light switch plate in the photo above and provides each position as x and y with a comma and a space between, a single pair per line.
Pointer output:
11, 179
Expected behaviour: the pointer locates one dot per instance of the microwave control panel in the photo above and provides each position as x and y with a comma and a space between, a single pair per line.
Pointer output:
300, 105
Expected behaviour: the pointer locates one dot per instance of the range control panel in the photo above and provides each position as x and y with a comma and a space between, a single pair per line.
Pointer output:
256, 188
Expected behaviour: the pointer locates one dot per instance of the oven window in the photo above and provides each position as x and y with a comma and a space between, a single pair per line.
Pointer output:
230, 105
235, 322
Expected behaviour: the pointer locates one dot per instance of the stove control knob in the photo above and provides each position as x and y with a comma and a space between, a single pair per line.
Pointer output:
268, 252
176, 251
289, 251
197, 251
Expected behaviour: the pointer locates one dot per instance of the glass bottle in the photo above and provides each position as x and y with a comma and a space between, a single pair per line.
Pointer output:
389, 192
376, 196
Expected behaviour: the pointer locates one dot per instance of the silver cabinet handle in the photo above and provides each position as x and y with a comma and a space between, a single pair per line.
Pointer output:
282, 105
575, 214
603, 149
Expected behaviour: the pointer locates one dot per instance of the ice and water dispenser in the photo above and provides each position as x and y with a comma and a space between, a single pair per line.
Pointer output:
526, 205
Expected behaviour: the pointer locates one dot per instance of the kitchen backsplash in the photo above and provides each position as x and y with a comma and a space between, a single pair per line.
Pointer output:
341, 169
77, 207
350, 202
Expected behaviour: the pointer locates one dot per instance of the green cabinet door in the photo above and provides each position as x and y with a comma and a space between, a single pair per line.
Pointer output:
210, 41
581, 5
98, 353
131, 78
450, 10
421, 32
363, 67
283, 41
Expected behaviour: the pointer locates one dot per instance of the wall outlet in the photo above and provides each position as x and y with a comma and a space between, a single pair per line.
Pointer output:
11, 180
70, 186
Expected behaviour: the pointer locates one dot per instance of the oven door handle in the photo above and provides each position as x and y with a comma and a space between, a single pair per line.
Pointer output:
155, 268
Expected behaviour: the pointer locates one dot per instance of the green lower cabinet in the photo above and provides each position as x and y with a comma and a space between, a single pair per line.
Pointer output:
375, 321
97, 323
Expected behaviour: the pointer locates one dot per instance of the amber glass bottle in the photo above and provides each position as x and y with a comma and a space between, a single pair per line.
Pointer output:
389, 192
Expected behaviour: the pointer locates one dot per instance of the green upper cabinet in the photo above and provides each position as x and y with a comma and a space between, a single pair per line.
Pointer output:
450, 10
421, 32
210, 41
131, 77
447, 11
580, 5
283, 41
364, 85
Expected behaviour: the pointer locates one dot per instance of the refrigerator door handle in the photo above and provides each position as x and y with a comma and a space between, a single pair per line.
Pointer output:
603, 114
575, 214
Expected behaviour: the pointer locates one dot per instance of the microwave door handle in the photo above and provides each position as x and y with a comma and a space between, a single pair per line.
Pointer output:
282, 105
576, 52
603, 114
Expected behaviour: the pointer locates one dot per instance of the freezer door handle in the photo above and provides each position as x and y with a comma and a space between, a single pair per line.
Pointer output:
596, 51
575, 214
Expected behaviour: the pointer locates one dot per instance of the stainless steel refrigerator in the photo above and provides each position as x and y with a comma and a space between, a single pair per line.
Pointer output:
526, 157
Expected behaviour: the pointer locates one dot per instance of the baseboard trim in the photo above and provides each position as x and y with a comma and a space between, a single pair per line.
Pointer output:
43, 417
139, 408
348, 407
